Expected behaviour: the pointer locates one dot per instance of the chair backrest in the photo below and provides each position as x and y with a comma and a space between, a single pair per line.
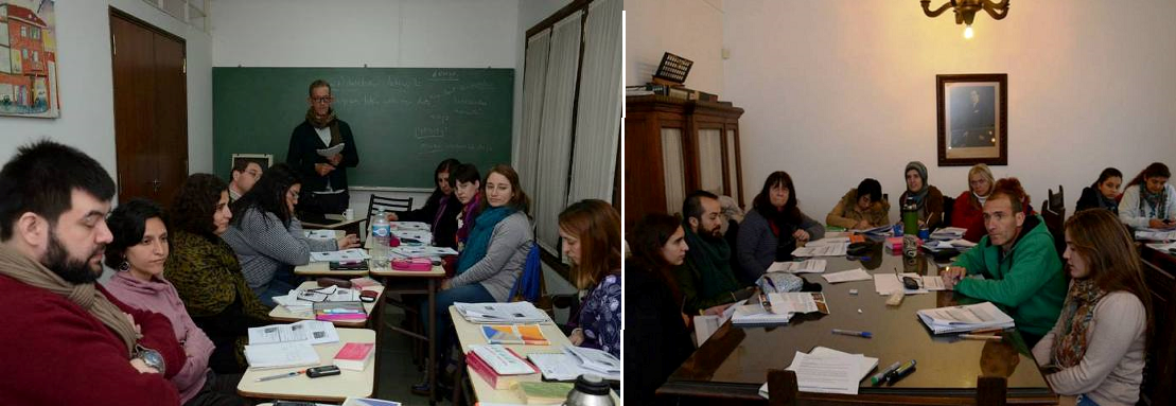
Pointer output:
1057, 202
991, 391
782, 388
388, 204
948, 208
1055, 222
529, 286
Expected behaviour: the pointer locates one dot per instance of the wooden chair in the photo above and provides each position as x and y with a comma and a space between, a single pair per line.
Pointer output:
783, 390
1053, 210
388, 204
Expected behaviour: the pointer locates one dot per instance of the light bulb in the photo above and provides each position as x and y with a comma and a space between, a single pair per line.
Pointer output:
968, 32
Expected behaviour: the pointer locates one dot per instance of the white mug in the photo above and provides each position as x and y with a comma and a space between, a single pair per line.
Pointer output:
349, 214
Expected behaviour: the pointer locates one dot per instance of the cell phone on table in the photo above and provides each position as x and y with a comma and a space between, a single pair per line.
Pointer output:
326, 370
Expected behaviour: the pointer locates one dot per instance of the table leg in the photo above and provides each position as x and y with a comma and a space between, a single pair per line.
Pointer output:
432, 367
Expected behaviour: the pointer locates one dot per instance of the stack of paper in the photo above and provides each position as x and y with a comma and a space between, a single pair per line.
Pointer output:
501, 313
308, 331
847, 276
350, 255
280, 355
825, 247
956, 319
422, 251
780, 308
948, 233
575, 361
707, 325
880, 230
1151, 234
409, 225
807, 266
888, 283
828, 371
332, 151
414, 237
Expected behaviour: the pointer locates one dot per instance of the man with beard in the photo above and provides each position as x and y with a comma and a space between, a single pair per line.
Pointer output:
64, 340
706, 280
324, 178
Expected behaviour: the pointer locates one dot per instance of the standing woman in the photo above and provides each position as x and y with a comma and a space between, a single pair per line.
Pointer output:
440, 210
1097, 346
206, 273
591, 233
268, 238
927, 199
968, 210
1103, 193
1149, 201
138, 251
656, 338
771, 231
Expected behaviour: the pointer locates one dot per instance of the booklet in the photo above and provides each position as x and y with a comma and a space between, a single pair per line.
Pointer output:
309, 331
959, 319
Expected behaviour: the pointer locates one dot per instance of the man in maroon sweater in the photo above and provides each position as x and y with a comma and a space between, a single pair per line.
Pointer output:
63, 339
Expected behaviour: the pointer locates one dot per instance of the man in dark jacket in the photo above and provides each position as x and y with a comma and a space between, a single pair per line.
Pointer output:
316, 155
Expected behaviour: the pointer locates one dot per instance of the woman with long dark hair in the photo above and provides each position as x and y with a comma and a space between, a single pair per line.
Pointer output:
656, 337
440, 210
772, 229
268, 239
1097, 346
1148, 200
1103, 193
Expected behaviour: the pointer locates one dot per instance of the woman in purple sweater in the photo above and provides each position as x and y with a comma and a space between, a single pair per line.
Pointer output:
138, 252
591, 233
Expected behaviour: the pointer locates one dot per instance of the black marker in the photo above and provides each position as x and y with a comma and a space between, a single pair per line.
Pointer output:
901, 372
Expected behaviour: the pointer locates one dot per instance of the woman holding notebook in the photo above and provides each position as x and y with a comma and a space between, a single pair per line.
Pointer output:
591, 233
1096, 349
138, 251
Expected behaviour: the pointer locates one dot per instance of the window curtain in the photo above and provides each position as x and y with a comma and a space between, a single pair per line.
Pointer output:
535, 71
598, 117
559, 93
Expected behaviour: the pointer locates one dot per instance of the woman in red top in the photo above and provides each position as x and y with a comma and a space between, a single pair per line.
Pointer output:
968, 211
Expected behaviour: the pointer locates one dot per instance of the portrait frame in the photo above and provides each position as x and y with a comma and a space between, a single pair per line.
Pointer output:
972, 119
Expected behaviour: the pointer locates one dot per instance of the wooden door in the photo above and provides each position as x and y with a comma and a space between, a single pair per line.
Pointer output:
150, 109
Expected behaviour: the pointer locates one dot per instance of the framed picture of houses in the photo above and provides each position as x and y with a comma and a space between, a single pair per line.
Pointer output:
28, 59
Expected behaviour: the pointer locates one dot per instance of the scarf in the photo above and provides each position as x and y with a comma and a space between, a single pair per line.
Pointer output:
329, 120
17, 266
465, 220
1157, 201
712, 260
918, 197
981, 199
479, 241
1106, 202
1070, 344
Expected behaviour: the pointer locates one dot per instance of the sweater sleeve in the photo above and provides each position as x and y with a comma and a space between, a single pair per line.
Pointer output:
350, 151
157, 335
972, 260
750, 233
316, 245
688, 284
197, 346
266, 234
1023, 280
1119, 320
934, 209
836, 218
1044, 349
1129, 212
508, 236
815, 230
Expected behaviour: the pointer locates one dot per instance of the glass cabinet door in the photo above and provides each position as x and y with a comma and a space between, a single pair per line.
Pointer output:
673, 167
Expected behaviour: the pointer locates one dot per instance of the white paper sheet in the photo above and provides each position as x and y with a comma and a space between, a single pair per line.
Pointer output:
349, 255
887, 283
308, 331
847, 276
807, 266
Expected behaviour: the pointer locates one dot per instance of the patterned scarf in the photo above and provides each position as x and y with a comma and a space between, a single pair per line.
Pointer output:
329, 120
1070, 344
25, 270
1157, 201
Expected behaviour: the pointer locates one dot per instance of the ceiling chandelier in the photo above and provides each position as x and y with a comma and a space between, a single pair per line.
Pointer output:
965, 11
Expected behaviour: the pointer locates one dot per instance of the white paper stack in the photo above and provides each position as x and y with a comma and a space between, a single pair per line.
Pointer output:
501, 313
349, 255
958, 319
783, 307
958, 243
576, 361
888, 283
330, 152
280, 355
807, 266
409, 225
1151, 234
825, 247
828, 371
422, 251
308, 331
948, 233
847, 276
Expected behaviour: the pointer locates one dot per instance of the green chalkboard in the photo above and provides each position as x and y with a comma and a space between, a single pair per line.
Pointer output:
405, 120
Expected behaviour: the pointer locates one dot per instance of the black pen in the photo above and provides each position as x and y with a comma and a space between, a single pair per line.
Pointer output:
901, 372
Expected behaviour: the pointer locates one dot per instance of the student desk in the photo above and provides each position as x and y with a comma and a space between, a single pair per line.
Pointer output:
280, 313
471, 334
730, 367
326, 389
337, 222
316, 269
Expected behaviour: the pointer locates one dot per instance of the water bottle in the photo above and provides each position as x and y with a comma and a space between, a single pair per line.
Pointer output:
910, 220
381, 230
590, 390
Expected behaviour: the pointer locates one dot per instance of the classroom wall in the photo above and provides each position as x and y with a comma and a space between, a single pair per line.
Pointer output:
86, 85
692, 29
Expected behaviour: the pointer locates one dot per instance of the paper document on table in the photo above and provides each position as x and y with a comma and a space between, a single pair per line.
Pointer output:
498, 313
847, 276
414, 237
423, 251
858, 366
887, 283
707, 325
319, 234
280, 355
880, 230
948, 233
595, 360
309, 331
564, 367
826, 373
955, 319
330, 152
1151, 234
823, 250
806, 266
803, 302
409, 225
348, 255
933, 283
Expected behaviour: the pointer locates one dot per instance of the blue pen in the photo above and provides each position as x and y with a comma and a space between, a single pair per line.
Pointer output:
865, 334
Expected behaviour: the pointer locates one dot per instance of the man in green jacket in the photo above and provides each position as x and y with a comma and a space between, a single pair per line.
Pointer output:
1021, 269
706, 280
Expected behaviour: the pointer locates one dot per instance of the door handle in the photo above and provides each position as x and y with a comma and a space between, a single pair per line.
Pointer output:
155, 185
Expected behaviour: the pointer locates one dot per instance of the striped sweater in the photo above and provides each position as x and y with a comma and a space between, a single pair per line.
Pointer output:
263, 246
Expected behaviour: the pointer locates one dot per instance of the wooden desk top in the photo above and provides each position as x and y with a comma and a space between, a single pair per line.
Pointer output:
280, 313
436, 272
326, 389
324, 268
470, 334
734, 362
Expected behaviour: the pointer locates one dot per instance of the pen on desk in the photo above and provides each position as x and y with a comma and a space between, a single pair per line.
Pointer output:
865, 334
280, 376
881, 375
901, 372
981, 337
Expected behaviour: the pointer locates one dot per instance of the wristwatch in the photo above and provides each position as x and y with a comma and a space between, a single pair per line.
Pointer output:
151, 357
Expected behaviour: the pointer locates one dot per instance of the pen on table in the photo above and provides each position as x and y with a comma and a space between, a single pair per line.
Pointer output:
901, 372
865, 334
981, 337
881, 375
280, 376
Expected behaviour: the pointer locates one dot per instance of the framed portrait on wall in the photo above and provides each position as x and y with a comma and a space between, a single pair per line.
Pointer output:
972, 111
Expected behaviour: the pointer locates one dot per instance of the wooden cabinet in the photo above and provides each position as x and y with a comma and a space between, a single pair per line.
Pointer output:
674, 147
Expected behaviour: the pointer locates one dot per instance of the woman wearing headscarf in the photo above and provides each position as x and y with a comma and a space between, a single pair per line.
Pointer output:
926, 199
